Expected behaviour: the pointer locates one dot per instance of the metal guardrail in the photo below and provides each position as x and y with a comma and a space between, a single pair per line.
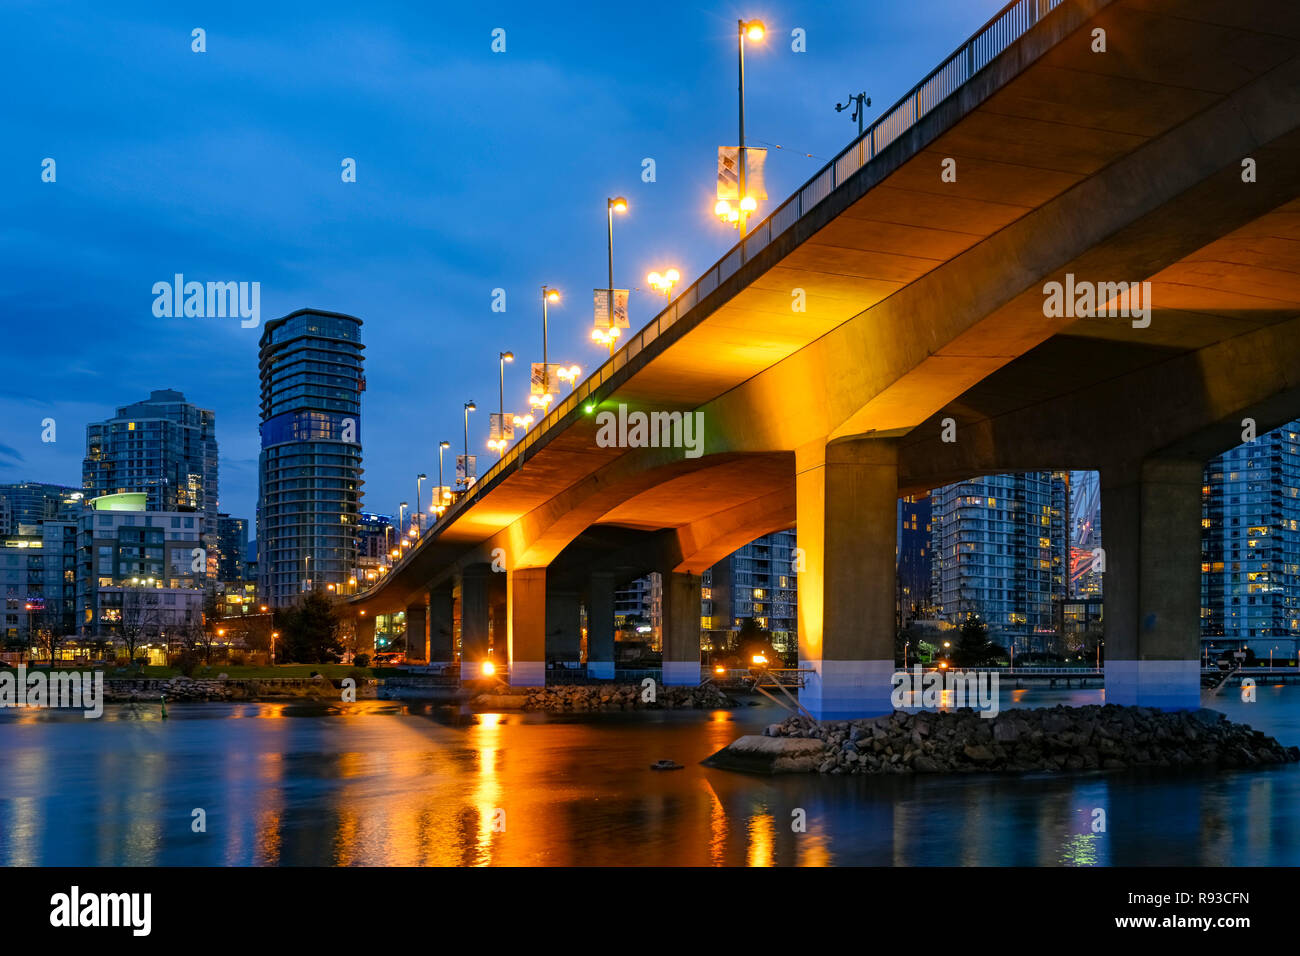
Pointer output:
1005, 28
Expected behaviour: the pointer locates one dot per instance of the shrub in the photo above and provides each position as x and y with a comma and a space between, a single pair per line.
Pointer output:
361, 660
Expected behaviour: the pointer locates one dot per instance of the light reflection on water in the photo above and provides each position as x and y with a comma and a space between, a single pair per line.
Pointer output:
377, 783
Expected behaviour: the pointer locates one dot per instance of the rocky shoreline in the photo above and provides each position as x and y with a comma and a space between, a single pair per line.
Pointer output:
1024, 740
189, 690
585, 698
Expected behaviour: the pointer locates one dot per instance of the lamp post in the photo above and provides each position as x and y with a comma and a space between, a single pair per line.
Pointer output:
663, 282
441, 446
754, 29
857, 102
401, 518
417, 516
543, 401
617, 204
503, 357
469, 407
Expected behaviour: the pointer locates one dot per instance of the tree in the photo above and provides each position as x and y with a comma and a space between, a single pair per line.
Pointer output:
44, 631
141, 619
973, 648
309, 633
754, 640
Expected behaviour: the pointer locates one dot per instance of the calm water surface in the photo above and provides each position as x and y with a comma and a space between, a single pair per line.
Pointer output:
379, 783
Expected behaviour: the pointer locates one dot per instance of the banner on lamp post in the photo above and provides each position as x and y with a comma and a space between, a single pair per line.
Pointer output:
501, 426
729, 172
466, 469
545, 380
600, 298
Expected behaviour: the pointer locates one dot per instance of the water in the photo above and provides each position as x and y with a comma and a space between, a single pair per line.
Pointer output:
379, 783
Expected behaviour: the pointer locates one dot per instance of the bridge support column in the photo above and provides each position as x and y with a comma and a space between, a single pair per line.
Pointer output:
474, 618
442, 636
500, 632
563, 626
497, 602
1152, 593
681, 623
526, 626
600, 626
366, 634
417, 632
847, 500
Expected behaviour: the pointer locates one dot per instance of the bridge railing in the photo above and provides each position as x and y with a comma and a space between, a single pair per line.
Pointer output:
1004, 29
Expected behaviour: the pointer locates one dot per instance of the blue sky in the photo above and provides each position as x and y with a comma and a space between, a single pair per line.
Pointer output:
475, 170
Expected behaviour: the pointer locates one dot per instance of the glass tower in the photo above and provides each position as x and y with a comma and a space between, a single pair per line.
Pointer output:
164, 447
1250, 546
309, 469
998, 550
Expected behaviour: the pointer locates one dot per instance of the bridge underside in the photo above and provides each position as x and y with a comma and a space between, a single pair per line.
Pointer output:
1173, 158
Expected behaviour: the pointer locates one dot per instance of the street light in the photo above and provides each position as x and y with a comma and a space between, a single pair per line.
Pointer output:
663, 282
417, 515
469, 407
544, 400
442, 501
500, 443
570, 375
752, 30
618, 204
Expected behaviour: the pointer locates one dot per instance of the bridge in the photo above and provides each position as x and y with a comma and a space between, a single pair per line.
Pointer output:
892, 327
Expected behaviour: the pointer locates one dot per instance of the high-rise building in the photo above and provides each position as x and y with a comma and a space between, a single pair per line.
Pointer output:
25, 504
1250, 546
914, 571
998, 551
232, 548
309, 470
38, 580
758, 581
140, 575
163, 447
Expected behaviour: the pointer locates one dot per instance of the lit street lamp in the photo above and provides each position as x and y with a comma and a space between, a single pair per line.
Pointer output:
500, 442
663, 282
618, 204
442, 501
469, 407
570, 375
544, 400
752, 30
417, 516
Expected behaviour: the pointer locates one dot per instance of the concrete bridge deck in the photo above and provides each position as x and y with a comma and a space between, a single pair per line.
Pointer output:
925, 310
